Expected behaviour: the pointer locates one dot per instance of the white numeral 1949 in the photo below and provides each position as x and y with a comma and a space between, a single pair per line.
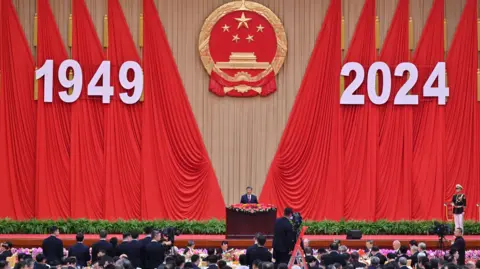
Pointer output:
103, 73
402, 97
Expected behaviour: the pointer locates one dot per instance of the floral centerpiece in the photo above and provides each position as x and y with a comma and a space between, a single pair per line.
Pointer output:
252, 208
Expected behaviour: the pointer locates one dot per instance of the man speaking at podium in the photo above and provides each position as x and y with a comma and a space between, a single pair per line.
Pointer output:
249, 198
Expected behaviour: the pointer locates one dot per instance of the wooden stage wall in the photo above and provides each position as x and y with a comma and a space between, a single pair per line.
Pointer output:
241, 135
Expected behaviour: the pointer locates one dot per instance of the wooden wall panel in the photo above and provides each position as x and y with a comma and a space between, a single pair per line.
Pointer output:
241, 135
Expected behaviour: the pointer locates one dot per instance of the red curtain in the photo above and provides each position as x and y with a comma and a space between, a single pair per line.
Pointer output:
428, 169
53, 126
87, 152
179, 180
122, 127
308, 162
394, 166
462, 112
360, 131
17, 118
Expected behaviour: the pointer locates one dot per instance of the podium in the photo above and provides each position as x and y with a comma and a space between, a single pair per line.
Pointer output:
243, 225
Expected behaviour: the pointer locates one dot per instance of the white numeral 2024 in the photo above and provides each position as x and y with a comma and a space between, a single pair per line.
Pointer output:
76, 82
402, 97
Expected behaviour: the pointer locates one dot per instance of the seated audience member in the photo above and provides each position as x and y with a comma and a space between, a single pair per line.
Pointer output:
333, 257
402, 262
212, 262
312, 262
267, 265
414, 256
374, 263
308, 251
179, 261
71, 262
435, 263
122, 248
195, 259
41, 262
188, 265
337, 265
80, 251
124, 264
257, 264
102, 244
242, 259
29, 263
5, 250
105, 260
403, 253
376, 252
4, 265
20, 265
221, 264
355, 260
260, 252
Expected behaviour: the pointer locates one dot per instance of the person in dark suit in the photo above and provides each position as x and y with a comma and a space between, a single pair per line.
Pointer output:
155, 252
402, 262
144, 242
249, 198
122, 247
260, 252
250, 249
102, 244
80, 251
134, 251
391, 261
41, 262
376, 253
195, 259
283, 237
333, 257
356, 260
5, 251
459, 245
53, 247
212, 262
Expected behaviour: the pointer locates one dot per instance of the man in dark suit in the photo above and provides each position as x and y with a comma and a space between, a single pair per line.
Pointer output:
459, 245
356, 260
80, 251
122, 247
53, 247
41, 262
155, 252
249, 198
134, 251
195, 259
333, 257
260, 252
102, 244
145, 241
402, 262
212, 262
283, 238
381, 257
5, 251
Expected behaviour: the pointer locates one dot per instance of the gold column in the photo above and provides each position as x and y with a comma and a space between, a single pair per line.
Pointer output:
35, 30
342, 33
478, 34
410, 34
105, 31
342, 85
70, 30
377, 33
70, 77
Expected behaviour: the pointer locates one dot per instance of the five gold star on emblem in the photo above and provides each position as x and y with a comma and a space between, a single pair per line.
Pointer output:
226, 28
260, 28
243, 21
235, 38
249, 38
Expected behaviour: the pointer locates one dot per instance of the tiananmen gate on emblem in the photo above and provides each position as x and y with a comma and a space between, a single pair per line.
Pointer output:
242, 46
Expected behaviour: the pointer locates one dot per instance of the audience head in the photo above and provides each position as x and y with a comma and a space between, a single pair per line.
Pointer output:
337, 265
195, 259
71, 261
224, 245
422, 246
342, 249
190, 244
355, 256
288, 212
180, 261
29, 263
477, 265
210, 251
4, 265
114, 241
105, 260
311, 261
308, 251
391, 256
170, 259
188, 265
242, 259
40, 258
369, 244
403, 250
458, 232
103, 234
79, 237
156, 235
267, 265
212, 259
402, 261
148, 230
221, 264
334, 246
413, 243
434, 263
396, 245
6, 245
413, 249
135, 235
102, 252
306, 242
110, 266
261, 240
375, 261
20, 265
375, 249
126, 237
54, 231
321, 252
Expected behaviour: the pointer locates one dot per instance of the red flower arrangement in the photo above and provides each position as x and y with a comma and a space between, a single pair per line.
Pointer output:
252, 208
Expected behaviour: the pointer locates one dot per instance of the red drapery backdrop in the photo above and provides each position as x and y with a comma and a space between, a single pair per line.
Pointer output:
462, 112
87, 152
308, 162
394, 168
17, 118
428, 169
360, 131
53, 126
179, 180
122, 127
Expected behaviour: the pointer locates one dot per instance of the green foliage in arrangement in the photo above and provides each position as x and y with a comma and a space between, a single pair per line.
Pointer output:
72, 226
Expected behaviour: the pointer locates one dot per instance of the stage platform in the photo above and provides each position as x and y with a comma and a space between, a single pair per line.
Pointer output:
208, 241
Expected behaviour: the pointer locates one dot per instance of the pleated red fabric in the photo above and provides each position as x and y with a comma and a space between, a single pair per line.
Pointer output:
428, 170
122, 127
17, 118
179, 180
308, 162
395, 150
360, 126
53, 126
87, 134
462, 112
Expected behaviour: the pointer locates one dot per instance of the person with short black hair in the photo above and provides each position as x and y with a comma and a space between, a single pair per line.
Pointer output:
179, 261
155, 252
376, 253
259, 252
145, 241
5, 250
459, 245
355, 257
195, 259
52, 246
312, 262
242, 259
221, 264
102, 244
249, 198
391, 261
134, 250
333, 257
80, 251
105, 260
188, 265
268, 265
40, 262
283, 237
122, 247
29, 263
